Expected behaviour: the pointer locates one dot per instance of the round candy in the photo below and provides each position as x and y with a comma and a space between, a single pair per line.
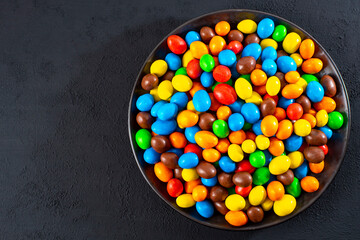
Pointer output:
188, 160
198, 49
185, 200
182, 83
257, 195
201, 101
286, 64
291, 42
163, 173
205, 208
250, 112
206, 139
269, 67
191, 37
173, 61
279, 165
247, 26
167, 111
314, 91
279, 33
275, 191
158, 67
151, 156
207, 63
294, 189
235, 202
253, 50
336, 120
236, 218
226, 164
285, 206
227, 58
265, 28
225, 94
236, 122
261, 176
145, 102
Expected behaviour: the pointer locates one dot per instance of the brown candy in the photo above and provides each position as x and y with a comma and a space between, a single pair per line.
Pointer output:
221, 208
245, 65
329, 85
305, 102
251, 38
225, 180
267, 107
255, 214
169, 159
160, 143
144, 120
316, 137
218, 194
207, 33
235, 35
178, 173
242, 179
206, 170
314, 154
168, 75
286, 178
206, 121
149, 81
281, 53
281, 77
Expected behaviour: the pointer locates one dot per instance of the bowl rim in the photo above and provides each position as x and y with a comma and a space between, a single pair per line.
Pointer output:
307, 204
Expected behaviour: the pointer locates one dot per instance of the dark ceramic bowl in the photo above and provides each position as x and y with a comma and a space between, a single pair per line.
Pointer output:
337, 145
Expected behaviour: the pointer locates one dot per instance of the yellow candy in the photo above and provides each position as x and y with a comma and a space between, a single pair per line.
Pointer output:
198, 49
291, 42
255, 98
285, 206
158, 67
154, 93
297, 58
262, 142
187, 57
235, 153
187, 118
267, 204
182, 83
257, 195
322, 118
273, 86
189, 174
296, 159
268, 42
185, 200
247, 26
248, 146
279, 165
302, 83
165, 90
190, 106
235, 202
302, 128
243, 88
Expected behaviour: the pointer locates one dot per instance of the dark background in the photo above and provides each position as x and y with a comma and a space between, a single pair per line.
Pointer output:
67, 170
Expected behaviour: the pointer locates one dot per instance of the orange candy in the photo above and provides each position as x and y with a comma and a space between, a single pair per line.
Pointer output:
187, 118
312, 66
222, 28
275, 191
285, 129
163, 173
307, 49
309, 184
223, 145
310, 118
216, 45
317, 167
214, 103
276, 147
292, 76
258, 77
199, 193
292, 91
269, 125
260, 89
206, 139
251, 136
211, 155
223, 113
196, 87
237, 137
312, 112
198, 49
327, 103
280, 114
236, 218
258, 66
189, 186
178, 140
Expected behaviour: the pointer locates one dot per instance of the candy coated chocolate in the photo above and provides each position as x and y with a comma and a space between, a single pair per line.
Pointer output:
221, 208
178, 173
286, 178
329, 85
149, 81
314, 154
255, 214
206, 121
235, 35
316, 137
251, 38
281, 53
305, 102
206, 34
281, 77
160, 143
206, 170
168, 75
267, 107
242, 179
169, 159
218, 194
144, 120
225, 180
245, 65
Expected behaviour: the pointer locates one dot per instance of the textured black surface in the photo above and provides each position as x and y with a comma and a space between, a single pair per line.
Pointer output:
67, 170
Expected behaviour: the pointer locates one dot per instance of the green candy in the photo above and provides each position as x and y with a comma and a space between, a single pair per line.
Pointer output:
257, 159
207, 63
230, 82
143, 138
231, 190
181, 71
247, 77
261, 176
309, 78
294, 188
221, 128
279, 33
247, 126
336, 120
216, 164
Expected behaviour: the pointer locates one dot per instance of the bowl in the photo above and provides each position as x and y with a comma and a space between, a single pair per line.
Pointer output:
337, 145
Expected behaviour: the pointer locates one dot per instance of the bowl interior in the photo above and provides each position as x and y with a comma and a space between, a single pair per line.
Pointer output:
337, 145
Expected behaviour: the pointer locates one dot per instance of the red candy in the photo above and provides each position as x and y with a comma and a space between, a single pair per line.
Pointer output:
175, 187
243, 191
193, 69
222, 73
194, 148
324, 148
225, 94
214, 103
235, 46
245, 166
294, 111
176, 44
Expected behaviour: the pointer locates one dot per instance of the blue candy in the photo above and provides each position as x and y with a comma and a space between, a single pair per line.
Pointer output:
177, 151
256, 127
145, 102
236, 106
227, 58
286, 64
188, 160
234, 73
250, 112
269, 67
161, 127
293, 143
192, 36
207, 79
201, 101
301, 171
315, 91
328, 132
284, 102
209, 182
265, 28
151, 156
167, 111
236, 122
253, 50
155, 108
173, 61
268, 157
190, 133
205, 208
269, 53
180, 99
226, 164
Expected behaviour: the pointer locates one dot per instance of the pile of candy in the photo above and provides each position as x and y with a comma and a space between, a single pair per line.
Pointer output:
233, 120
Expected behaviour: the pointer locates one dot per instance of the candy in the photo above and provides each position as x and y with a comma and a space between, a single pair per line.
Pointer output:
198, 49
207, 63
291, 42
285, 206
286, 178
307, 48
225, 94
227, 58
242, 179
309, 184
279, 165
149, 81
257, 195
316, 137
226, 164
185, 200
247, 26
206, 170
205, 208
253, 50
275, 191
160, 143
255, 214
218, 194
201, 101
286, 64
169, 159
279, 33
144, 120
265, 28
336, 120
236, 218
314, 154
312, 66
182, 83
261, 176
329, 85
216, 45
